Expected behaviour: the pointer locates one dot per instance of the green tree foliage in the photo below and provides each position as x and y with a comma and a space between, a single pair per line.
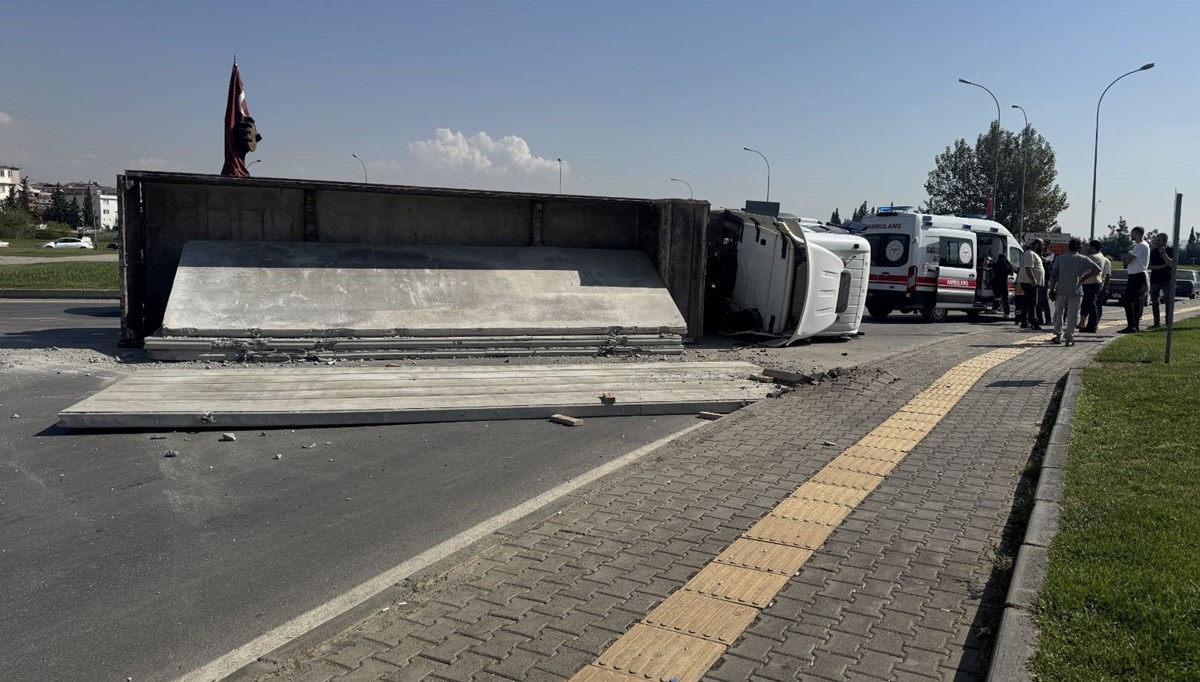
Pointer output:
1118, 241
961, 180
61, 210
861, 212
88, 214
16, 223
10, 201
25, 197
835, 217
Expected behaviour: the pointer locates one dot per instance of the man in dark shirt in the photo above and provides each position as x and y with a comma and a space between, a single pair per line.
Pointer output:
1161, 261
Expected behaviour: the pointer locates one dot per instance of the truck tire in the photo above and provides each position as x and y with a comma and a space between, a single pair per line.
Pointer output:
879, 312
932, 314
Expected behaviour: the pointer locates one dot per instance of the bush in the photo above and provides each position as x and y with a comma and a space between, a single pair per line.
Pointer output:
56, 230
16, 224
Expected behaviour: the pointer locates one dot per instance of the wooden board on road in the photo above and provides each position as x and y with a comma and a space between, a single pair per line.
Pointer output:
262, 397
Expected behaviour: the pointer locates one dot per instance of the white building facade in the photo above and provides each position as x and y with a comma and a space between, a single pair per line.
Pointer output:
104, 204
10, 180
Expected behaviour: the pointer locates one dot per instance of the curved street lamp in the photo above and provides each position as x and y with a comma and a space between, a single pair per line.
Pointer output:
1024, 168
764, 158
996, 180
363, 165
689, 186
1096, 147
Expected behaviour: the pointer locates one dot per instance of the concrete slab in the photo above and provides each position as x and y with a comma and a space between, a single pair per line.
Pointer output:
301, 289
322, 396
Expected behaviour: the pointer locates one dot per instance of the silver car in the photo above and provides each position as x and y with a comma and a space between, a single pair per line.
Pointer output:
68, 243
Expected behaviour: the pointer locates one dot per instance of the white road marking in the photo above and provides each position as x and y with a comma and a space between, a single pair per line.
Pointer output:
277, 637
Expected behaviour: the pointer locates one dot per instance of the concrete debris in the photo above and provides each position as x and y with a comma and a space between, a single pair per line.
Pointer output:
760, 378
565, 420
830, 443
278, 455
15, 416
171, 453
158, 437
710, 415
608, 398
310, 446
228, 437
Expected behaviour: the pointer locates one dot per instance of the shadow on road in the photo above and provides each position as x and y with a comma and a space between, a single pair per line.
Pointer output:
102, 339
95, 311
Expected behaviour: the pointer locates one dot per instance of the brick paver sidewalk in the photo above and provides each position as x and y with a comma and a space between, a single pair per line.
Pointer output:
908, 586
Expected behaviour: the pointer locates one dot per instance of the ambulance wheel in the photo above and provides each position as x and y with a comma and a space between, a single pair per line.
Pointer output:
879, 312
934, 314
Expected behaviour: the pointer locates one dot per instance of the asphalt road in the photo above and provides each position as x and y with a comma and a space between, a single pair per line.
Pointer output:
117, 561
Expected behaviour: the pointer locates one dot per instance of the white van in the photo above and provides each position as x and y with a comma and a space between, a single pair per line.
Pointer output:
931, 264
768, 278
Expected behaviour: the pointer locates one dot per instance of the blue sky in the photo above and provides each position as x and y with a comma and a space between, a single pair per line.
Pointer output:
850, 101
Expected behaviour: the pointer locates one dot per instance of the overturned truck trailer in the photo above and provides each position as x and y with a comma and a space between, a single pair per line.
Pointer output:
275, 269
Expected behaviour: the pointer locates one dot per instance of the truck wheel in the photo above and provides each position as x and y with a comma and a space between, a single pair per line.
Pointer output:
932, 314
879, 312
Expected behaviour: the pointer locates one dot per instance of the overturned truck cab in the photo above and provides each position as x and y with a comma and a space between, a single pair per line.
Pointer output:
773, 278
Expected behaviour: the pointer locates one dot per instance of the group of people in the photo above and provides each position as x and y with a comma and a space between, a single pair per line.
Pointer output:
1077, 283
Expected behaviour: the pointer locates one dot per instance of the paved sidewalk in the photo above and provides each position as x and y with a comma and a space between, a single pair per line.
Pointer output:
907, 585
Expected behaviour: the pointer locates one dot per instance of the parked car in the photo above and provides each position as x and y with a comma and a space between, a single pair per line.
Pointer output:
115, 244
4, 245
1116, 285
1187, 283
69, 243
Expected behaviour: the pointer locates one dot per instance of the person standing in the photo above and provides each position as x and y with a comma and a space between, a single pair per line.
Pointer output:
1161, 260
1137, 263
1066, 289
1095, 288
1000, 272
1043, 306
1033, 278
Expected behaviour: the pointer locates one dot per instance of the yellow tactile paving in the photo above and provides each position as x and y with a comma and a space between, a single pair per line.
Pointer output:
688, 633
697, 615
806, 534
824, 492
847, 479
864, 465
798, 509
594, 673
738, 585
764, 556
656, 654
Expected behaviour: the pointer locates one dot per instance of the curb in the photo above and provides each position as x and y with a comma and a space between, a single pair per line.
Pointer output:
60, 293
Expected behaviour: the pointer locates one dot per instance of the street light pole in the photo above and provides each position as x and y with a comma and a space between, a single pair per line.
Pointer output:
1024, 168
764, 158
996, 180
689, 186
363, 165
560, 176
1096, 146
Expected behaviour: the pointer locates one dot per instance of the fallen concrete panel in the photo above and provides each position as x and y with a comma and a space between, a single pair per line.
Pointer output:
299, 289
338, 395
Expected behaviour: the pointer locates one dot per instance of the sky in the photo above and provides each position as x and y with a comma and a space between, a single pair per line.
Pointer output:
849, 101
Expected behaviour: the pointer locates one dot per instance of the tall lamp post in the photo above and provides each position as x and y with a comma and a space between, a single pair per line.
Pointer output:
1024, 168
559, 176
689, 186
364, 165
996, 180
764, 158
1096, 147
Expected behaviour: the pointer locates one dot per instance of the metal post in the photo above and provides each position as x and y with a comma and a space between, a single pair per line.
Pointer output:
996, 179
364, 165
764, 158
560, 176
691, 195
1174, 276
1096, 144
1024, 168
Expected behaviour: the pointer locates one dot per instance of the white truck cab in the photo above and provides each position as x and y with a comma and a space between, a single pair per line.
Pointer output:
931, 264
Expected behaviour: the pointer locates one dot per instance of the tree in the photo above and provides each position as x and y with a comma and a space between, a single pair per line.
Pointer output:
61, 210
962, 178
10, 201
1118, 241
836, 217
89, 211
861, 212
25, 198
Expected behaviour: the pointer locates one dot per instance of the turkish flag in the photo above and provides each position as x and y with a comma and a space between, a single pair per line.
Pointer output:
236, 111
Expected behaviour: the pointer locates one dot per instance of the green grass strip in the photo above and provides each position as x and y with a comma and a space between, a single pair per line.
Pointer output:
60, 275
1122, 598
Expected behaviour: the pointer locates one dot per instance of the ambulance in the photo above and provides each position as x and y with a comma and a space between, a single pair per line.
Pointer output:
932, 264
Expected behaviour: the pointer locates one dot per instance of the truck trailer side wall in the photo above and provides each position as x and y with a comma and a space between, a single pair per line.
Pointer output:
163, 211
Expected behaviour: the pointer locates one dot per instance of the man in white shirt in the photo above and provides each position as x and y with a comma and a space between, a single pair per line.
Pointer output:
1137, 262
1033, 278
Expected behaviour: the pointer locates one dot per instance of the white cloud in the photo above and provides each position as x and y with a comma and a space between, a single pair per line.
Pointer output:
79, 161
5, 119
153, 163
452, 151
